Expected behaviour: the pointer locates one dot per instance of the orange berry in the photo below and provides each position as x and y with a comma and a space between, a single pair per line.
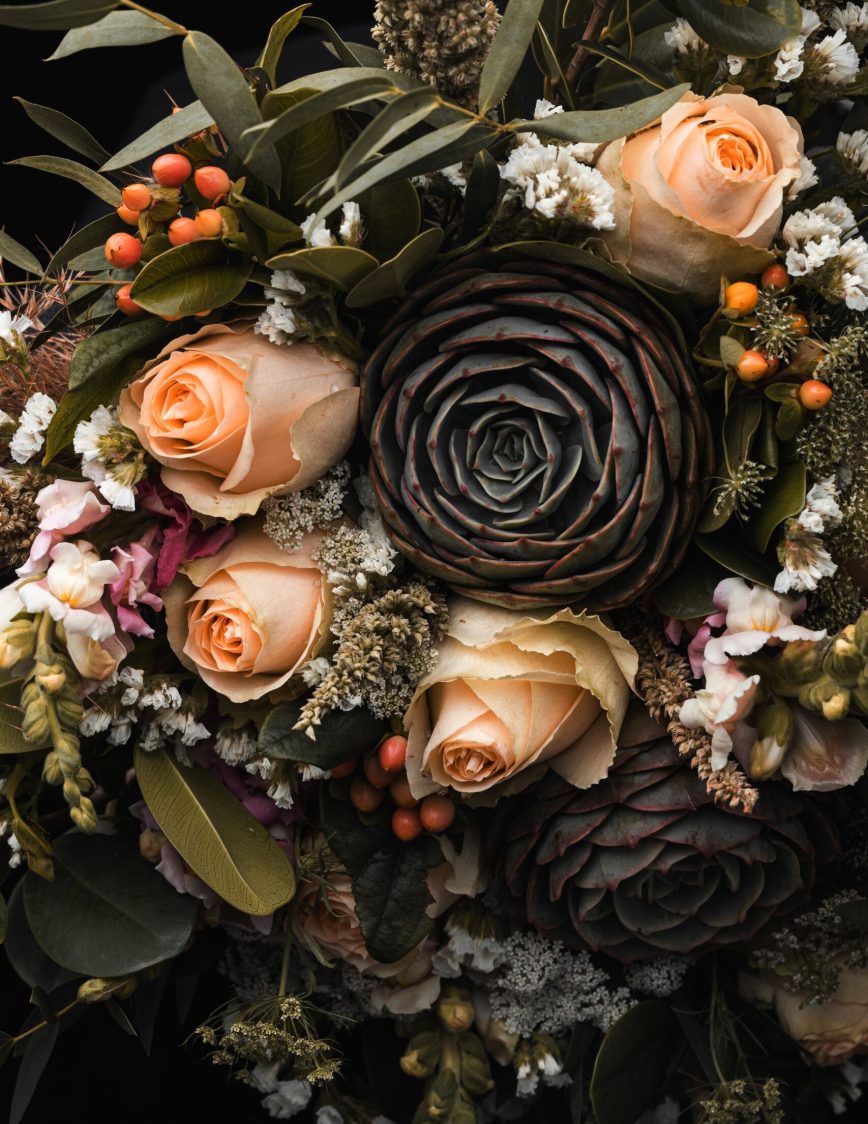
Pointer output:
205, 312
345, 769
374, 773
741, 297
436, 813
211, 182
136, 196
209, 223
123, 250
406, 824
128, 215
182, 231
799, 324
171, 169
814, 395
169, 319
400, 792
775, 277
392, 754
364, 796
753, 365
126, 303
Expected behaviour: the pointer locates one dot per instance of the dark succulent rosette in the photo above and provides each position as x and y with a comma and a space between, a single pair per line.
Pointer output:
645, 863
536, 434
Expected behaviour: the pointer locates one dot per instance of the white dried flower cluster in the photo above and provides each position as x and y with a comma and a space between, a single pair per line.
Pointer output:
824, 248
16, 855
115, 479
833, 59
152, 705
279, 789
29, 437
350, 231
289, 518
479, 950
806, 178
853, 1076
804, 558
283, 1099
852, 19
235, 746
852, 149
285, 293
789, 63
659, 977
13, 347
682, 38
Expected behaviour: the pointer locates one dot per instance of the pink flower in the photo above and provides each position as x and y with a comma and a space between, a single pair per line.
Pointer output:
133, 586
72, 589
727, 698
66, 508
824, 755
184, 539
754, 617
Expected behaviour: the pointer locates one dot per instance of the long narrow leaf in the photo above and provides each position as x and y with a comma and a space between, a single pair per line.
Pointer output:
399, 117
344, 51
89, 237
72, 170
648, 74
56, 15
507, 51
117, 29
597, 126
277, 36
191, 119
547, 59
19, 255
64, 129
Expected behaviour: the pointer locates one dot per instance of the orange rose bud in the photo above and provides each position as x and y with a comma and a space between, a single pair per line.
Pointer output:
406, 824
171, 170
182, 231
741, 297
799, 324
211, 182
753, 366
123, 250
392, 754
126, 303
127, 215
814, 395
345, 769
209, 223
436, 813
375, 774
775, 277
136, 196
364, 796
400, 792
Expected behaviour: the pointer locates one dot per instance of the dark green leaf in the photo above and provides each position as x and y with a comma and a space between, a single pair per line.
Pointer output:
28, 960
393, 214
277, 36
646, 75
507, 51
108, 912
120, 1016
739, 428
215, 834
401, 115
623, 75
98, 354
36, 1055
56, 15
342, 266
355, 843
547, 60
390, 279
689, 592
631, 1063
76, 405
70, 169
177, 127
342, 734
89, 237
64, 129
731, 351
19, 255
348, 53
4, 918
392, 897
789, 419
483, 187
596, 126
752, 29
367, 55
784, 497
308, 155
117, 29
188, 279
730, 554
222, 88
147, 1000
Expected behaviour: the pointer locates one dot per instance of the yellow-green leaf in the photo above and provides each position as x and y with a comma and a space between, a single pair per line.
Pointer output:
343, 266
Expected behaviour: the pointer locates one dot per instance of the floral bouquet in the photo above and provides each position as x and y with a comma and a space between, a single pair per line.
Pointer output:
434, 518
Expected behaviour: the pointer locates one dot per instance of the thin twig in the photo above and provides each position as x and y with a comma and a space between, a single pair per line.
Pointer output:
597, 20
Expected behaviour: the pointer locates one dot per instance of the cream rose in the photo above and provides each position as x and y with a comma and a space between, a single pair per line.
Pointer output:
234, 418
248, 618
511, 694
701, 193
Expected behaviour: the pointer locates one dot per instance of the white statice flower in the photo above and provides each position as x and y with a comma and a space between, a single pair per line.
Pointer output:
852, 19
281, 793
814, 236
235, 747
551, 180
545, 108
852, 148
836, 57
454, 174
735, 64
182, 723
314, 773
853, 1075
806, 562
789, 62
351, 230
132, 680
88, 443
851, 285
480, 950
121, 729
35, 419
283, 1099
807, 177
318, 234
278, 322
315, 670
161, 695
682, 38
12, 329
16, 855
821, 511
95, 721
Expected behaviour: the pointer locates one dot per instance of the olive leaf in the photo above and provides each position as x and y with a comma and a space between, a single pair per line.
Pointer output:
483, 188
102, 352
401, 115
507, 51
783, 498
752, 28
277, 36
19, 255
390, 279
72, 170
639, 1044
117, 29
189, 279
342, 266
311, 153
64, 129
350, 54
215, 834
76, 405
597, 126
176, 127
56, 15
340, 735
89, 237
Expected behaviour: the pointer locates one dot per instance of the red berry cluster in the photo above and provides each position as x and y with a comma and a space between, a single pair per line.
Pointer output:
383, 769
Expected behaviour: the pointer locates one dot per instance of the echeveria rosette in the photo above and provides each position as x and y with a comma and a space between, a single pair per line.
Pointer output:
536, 434
645, 863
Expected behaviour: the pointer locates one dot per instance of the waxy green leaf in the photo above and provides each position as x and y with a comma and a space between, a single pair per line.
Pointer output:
77, 405
507, 51
117, 29
89, 237
390, 279
598, 126
103, 351
189, 279
640, 1044
752, 28
340, 735
783, 498
401, 115
342, 266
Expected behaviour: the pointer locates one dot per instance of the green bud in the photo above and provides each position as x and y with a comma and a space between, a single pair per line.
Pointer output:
16, 643
84, 816
798, 661
860, 633
765, 759
70, 712
455, 1010
51, 677
775, 720
827, 698
98, 990
475, 1070
35, 726
51, 770
440, 1095
843, 661
423, 1053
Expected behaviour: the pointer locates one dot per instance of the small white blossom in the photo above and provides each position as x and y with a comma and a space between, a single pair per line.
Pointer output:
318, 235
789, 61
852, 281
87, 442
12, 328
315, 671
455, 175
807, 178
281, 793
682, 38
234, 746
545, 108
850, 18
821, 511
121, 730
805, 572
278, 321
837, 56
551, 180
735, 64
95, 721
183, 723
853, 149
351, 230
314, 773
161, 696
35, 419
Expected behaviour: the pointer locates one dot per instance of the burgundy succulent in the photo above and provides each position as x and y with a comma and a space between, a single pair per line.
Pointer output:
536, 434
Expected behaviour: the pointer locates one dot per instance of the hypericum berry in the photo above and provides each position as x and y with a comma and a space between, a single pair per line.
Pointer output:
741, 297
400, 792
345, 769
127, 215
136, 196
799, 324
392, 754
183, 230
364, 796
123, 250
170, 318
209, 223
211, 182
374, 773
126, 303
775, 277
436, 813
171, 169
814, 395
753, 365
406, 824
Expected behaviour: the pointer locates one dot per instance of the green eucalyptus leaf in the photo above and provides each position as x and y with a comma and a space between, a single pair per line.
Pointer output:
340, 735
108, 912
277, 36
188, 279
724, 549
596, 126
390, 279
222, 88
636, 68
366, 55
70, 169
117, 29
56, 15
28, 960
789, 419
64, 129
77, 405
342, 266
101, 353
215, 834
393, 215
392, 896
752, 28
507, 51
689, 592
783, 498
90, 237
176, 127
19, 255
401, 115
640, 1045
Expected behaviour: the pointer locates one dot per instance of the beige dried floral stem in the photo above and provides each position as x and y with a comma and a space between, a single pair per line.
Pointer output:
664, 683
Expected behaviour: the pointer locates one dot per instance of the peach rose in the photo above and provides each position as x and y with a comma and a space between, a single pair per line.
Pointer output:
249, 617
234, 418
511, 694
701, 193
